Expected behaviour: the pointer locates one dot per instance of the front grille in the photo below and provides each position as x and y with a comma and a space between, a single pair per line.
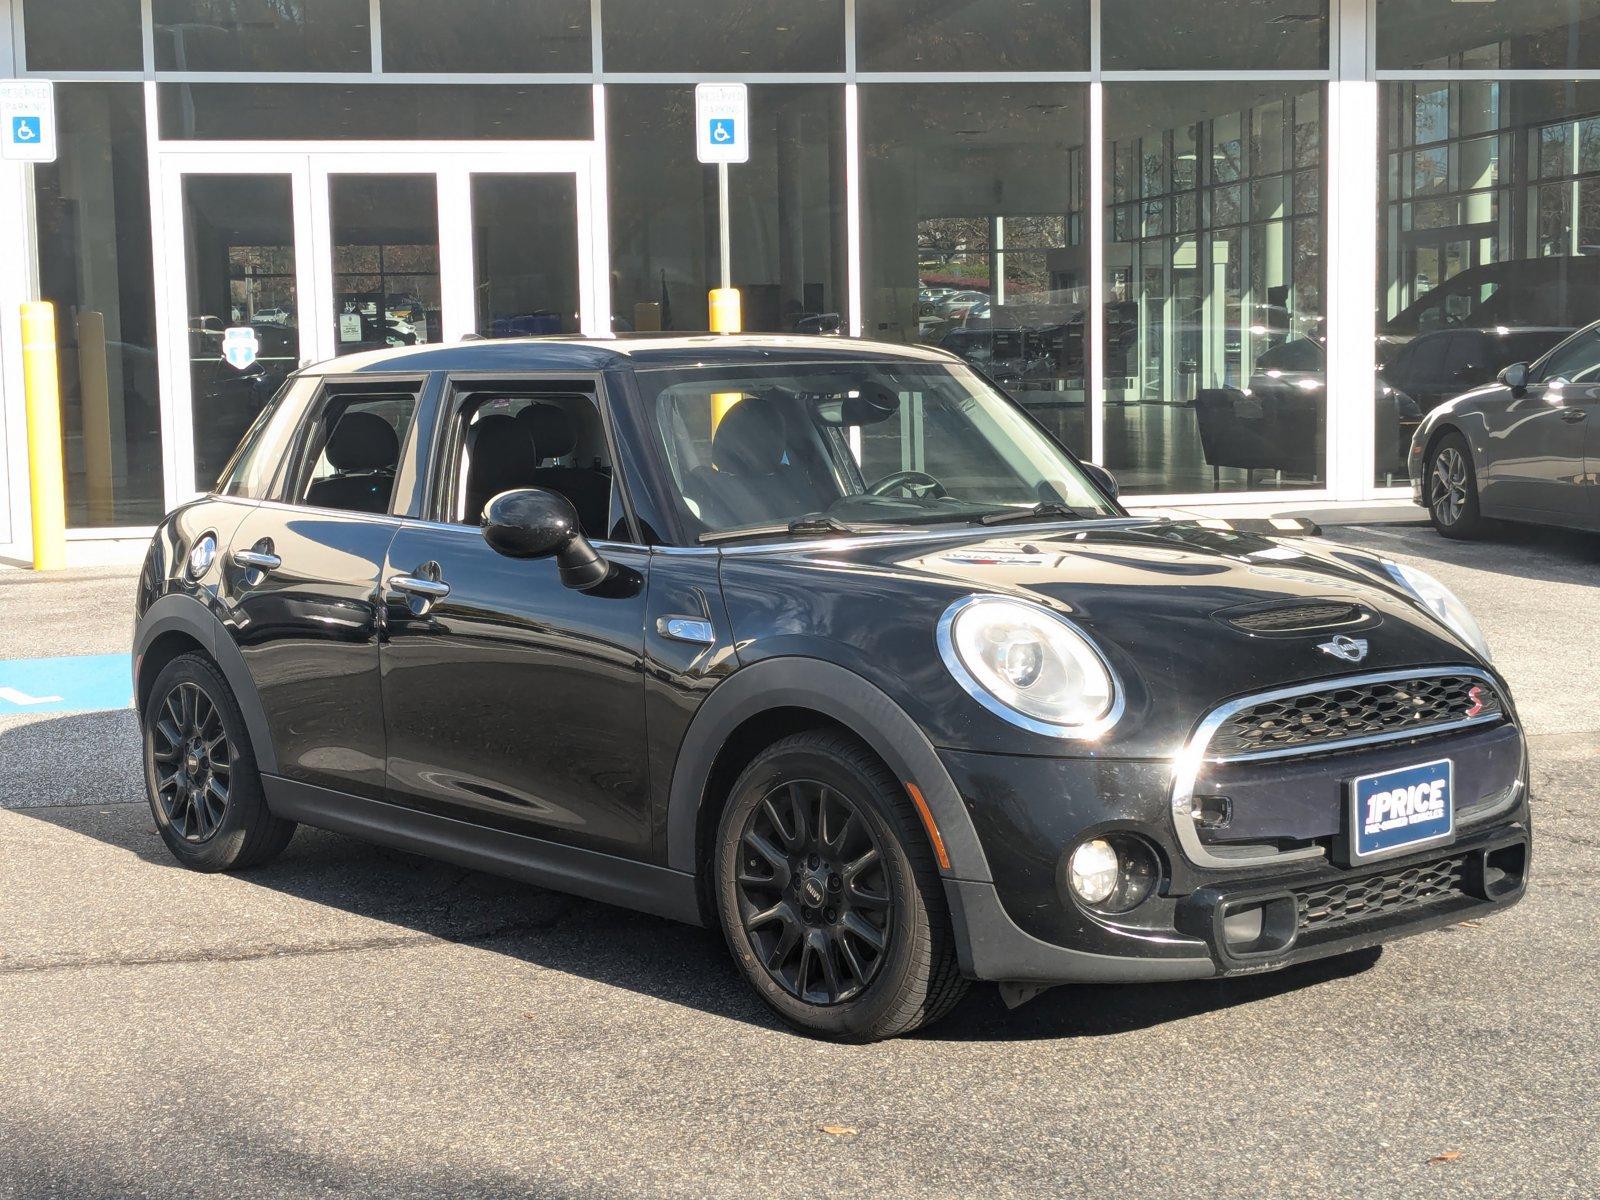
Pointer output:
1298, 618
1327, 717
1378, 895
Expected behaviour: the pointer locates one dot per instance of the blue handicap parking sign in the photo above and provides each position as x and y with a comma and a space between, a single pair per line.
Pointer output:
25, 130
721, 130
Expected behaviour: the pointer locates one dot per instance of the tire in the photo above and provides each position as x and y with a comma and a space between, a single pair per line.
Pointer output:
1450, 489
795, 893
204, 789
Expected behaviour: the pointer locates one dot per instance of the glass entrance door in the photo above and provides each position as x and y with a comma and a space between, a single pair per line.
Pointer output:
278, 259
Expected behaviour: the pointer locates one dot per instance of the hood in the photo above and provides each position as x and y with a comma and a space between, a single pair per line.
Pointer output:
1188, 613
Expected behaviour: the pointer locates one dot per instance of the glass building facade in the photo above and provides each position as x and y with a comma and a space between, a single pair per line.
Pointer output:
1231, 249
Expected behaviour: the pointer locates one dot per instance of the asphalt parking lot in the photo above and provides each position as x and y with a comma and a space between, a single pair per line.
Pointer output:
355, 1021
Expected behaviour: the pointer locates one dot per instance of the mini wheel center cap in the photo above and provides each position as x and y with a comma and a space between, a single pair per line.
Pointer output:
814, 891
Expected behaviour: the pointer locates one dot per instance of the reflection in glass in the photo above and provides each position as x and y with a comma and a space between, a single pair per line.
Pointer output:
486, 36
975, 35
243, 321
1182, 35
93, 216
376, 111
787, 211
751, 35
82, 35
525, 253
1489, 237
974, 234
1514, 34
1215, 371
385, 261
262, 35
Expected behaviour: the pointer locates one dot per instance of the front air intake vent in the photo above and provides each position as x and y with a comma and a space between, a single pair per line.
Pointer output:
1299, 618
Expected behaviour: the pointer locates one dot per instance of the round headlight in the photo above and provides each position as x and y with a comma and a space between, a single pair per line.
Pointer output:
202, 555
1028, 665
1442, 603
1093, 871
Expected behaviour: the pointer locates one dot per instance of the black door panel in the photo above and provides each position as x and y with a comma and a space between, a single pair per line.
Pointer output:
301, 589
512, 700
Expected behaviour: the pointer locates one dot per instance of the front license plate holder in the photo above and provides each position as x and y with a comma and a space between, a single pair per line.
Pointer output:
1399, 811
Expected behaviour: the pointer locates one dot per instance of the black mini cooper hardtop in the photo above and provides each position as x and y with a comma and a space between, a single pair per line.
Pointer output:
826, 643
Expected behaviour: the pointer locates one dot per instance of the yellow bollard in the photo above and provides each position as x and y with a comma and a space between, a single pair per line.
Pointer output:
725, 314
47, 478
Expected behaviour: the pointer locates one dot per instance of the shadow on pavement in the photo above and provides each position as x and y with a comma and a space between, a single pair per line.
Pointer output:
678, 963
1522, 551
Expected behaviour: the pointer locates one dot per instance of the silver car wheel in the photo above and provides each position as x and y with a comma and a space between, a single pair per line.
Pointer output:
1449, 485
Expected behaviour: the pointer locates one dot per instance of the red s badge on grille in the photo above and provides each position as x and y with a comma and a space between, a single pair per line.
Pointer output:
1475, 694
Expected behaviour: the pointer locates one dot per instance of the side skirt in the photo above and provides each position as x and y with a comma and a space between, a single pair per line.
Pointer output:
587, 873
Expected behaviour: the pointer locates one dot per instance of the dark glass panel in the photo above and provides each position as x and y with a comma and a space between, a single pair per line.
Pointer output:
1215, 368
525, 254
972, 35
973, 233
263, 35
82, 35
93, 213
486, 36
385, 261
787, 211
375, 111
1214, 35
1511, 34
724, 35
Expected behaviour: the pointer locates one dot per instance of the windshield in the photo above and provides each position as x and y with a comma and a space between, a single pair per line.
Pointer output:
854, 444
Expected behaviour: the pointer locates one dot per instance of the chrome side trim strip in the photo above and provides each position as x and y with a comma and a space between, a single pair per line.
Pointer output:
1186, 766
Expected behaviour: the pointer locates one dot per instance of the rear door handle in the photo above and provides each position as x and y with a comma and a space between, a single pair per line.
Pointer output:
432, 589
257, 560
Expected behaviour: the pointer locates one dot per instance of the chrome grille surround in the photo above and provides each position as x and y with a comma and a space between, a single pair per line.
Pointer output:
1198, 751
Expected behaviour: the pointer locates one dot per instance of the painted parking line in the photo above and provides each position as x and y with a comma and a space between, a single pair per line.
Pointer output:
80, 683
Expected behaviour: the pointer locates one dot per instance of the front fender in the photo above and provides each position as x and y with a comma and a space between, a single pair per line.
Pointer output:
177, 612
843, 696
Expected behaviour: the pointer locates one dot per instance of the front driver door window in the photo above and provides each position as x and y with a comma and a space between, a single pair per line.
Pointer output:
512, 700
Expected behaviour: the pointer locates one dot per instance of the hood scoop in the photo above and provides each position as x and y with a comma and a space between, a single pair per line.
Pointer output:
1297, 616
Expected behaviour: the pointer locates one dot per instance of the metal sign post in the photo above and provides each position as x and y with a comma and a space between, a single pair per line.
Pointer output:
722, 136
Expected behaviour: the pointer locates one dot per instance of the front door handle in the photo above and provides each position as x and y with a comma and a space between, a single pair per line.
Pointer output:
256, 560
1573, 415
429, 589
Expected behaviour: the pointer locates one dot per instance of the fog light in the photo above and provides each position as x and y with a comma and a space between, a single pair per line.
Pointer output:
1093, 870
1113, 874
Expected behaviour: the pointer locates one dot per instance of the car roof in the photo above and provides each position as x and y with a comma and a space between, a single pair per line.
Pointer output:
597, 354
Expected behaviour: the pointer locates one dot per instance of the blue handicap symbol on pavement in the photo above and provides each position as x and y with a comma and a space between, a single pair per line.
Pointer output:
25, 130
81, 683
721, 130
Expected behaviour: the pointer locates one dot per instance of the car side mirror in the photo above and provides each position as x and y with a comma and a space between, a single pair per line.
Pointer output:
1515, 377
536, 523
1106, 480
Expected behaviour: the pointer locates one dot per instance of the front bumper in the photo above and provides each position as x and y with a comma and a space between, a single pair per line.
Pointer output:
1304, 916
1025, 927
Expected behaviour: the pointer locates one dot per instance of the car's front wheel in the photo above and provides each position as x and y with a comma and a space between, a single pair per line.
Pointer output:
828, 892
1452, 489
200, 772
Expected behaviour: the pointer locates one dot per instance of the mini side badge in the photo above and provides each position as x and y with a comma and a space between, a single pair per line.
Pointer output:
1348, 648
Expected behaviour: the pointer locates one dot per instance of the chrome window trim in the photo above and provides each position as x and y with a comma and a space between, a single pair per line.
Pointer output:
1189, 760
1078, 733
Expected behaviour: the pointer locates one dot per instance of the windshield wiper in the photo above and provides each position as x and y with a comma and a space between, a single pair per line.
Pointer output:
1046, 510
809, 526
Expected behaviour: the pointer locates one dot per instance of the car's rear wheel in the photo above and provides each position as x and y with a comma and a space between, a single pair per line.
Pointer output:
200, 772
828, 892
1452, 489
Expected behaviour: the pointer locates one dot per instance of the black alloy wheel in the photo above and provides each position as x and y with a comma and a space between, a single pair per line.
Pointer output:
825, 884
200, 771
193, 763
814, 892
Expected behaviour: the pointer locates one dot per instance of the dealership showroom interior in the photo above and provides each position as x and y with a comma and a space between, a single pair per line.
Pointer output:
1121, 213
